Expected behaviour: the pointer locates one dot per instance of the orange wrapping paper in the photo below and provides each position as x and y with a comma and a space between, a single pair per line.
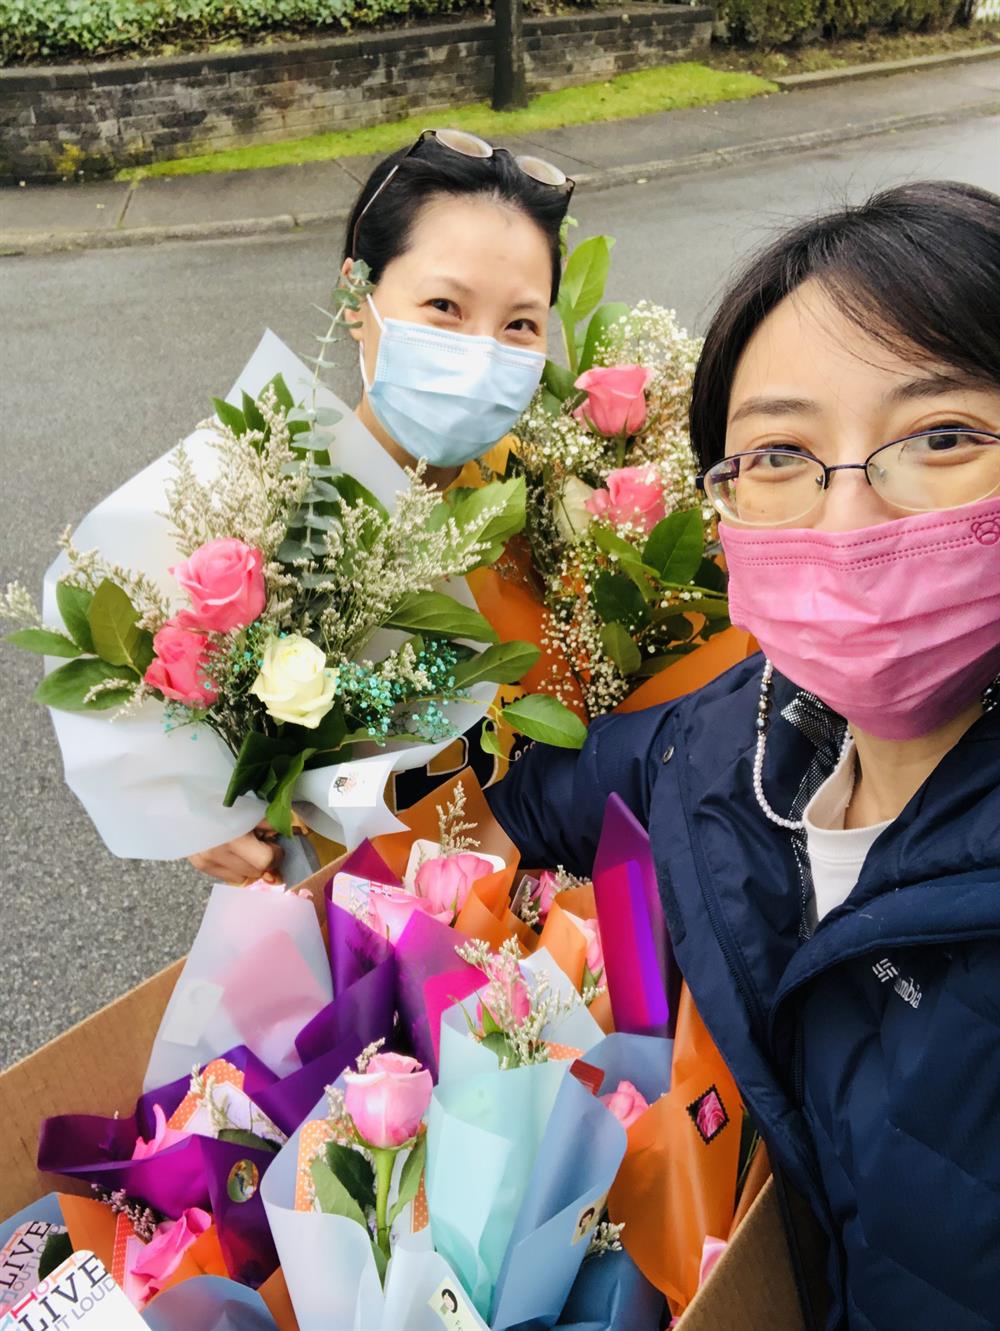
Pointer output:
674, 1186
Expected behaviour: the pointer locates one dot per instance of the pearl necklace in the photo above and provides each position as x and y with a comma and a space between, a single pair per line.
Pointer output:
991, 699
762, 722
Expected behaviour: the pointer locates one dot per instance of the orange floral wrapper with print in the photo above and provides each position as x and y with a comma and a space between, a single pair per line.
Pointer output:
677, 1182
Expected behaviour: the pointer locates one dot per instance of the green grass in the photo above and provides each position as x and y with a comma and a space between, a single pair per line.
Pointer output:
639, 94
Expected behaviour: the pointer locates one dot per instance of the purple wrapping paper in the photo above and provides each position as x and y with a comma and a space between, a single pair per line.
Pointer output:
425, 948
195, 1172
639, 965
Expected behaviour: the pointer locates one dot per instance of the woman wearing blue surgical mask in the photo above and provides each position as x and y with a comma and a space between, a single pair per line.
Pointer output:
461, 244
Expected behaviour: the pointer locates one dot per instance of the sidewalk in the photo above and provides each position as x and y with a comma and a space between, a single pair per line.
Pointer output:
49, 217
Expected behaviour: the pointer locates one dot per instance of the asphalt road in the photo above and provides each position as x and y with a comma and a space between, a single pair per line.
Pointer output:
109, 357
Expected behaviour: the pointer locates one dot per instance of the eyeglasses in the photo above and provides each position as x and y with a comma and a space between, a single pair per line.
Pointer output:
469, 145
921, 473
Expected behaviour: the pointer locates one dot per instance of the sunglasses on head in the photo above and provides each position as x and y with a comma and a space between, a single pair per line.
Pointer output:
470, 145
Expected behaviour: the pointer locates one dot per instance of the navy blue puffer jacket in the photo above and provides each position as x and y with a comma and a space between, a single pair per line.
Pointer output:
867, 1050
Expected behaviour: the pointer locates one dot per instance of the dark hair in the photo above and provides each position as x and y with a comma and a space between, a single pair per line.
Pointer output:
917, 267
431, 171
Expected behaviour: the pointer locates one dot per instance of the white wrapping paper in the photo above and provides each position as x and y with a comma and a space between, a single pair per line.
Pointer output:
256, 973
158, 795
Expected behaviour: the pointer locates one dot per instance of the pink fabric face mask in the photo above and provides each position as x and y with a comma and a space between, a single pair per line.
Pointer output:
896, 627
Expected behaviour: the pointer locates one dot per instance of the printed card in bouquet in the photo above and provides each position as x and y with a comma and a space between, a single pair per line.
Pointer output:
21, 1254
81, 1294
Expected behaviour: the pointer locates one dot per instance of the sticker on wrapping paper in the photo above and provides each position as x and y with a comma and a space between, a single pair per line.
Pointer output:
709, 1115
243, 1181
350, 892
452, 1308
20, 1257
587, 1220
359, 785
80, 1294
191, 1010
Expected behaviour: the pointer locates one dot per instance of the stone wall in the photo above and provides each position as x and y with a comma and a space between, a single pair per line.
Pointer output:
59, 121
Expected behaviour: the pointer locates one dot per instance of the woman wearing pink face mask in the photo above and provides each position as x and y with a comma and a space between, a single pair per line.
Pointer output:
826, 817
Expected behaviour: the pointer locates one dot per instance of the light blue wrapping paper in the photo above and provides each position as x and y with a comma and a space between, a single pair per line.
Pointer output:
483, 1136
611, 1294
577, 1162
209, 1303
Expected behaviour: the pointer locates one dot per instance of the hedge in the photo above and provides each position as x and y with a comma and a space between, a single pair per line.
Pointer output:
770, 23
33, 30
57, 29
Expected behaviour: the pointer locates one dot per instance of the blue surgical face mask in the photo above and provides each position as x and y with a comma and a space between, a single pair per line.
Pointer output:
445, 396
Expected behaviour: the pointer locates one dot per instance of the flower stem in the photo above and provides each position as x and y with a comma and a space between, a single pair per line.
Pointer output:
384, 1161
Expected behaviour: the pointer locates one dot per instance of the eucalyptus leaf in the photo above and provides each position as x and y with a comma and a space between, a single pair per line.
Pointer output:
617, 642
409, 1178
540, 716
442, 616
675, 545
354, 1171
74, 606
332, 1196
616, 597
113, 624
44, 642
505, 663
67, 687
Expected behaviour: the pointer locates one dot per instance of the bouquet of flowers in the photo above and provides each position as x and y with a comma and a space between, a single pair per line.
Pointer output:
616, 543
287, 615
421, 1120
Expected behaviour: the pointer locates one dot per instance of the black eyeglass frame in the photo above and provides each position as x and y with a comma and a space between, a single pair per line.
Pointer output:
702, 477
566, 186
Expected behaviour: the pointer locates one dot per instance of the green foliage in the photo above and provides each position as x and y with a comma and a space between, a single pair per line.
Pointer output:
43, 29
540, 716
770, 23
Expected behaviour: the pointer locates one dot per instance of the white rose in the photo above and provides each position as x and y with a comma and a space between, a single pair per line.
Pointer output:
572, 518
294, 683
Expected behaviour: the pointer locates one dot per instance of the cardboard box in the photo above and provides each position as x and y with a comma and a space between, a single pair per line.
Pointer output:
98, 1066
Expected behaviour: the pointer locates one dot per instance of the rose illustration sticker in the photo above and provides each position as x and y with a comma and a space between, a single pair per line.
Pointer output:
708, 1114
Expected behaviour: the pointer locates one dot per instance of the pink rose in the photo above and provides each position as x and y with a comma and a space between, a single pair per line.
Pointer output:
390, 908
505, 989
162, 1138
389, 1099
225, 581
545, 893
633, 495
156, 1262
616, 399
595, 951
444, 882
179, 667
711, 1251
626, 1103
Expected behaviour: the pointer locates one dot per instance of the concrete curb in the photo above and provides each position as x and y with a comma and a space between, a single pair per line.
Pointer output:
13, 244
824, 78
